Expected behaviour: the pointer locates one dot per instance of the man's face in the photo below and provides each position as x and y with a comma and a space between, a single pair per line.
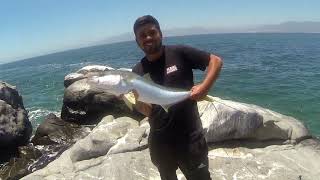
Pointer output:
149, 38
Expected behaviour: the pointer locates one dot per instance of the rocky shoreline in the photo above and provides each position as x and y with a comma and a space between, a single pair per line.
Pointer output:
98, 137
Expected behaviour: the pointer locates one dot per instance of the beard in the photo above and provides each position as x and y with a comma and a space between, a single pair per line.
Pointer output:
156, 47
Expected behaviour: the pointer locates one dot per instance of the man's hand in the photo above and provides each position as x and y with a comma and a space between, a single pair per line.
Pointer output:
198, 92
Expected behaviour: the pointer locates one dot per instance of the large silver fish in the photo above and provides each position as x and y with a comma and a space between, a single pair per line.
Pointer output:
119, 82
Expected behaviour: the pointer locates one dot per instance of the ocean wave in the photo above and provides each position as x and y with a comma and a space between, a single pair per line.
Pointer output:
36, 115
81, 64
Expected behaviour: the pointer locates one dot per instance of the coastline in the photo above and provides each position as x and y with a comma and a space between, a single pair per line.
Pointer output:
81, 140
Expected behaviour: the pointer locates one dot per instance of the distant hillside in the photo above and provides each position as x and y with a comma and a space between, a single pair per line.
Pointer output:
290, 27
286, 27
129, 36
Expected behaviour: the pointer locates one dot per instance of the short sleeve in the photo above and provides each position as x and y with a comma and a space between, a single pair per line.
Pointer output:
198, 59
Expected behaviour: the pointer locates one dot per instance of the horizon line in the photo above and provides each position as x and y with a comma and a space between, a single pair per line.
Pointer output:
127, 40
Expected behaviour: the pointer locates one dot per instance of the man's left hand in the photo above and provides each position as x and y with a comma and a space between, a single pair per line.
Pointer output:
198, 92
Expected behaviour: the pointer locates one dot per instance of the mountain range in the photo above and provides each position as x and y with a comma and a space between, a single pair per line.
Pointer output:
285, 27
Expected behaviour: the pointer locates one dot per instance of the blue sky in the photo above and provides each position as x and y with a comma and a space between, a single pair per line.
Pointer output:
35, 27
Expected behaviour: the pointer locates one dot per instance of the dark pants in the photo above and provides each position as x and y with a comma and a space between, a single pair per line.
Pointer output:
191, 158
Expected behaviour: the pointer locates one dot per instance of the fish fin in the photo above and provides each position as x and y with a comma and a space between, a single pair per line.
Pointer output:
129, 100
147, 76
129, 105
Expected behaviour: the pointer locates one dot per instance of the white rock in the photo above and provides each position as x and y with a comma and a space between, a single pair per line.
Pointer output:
226, 120
94, 68
234, 159
73, 76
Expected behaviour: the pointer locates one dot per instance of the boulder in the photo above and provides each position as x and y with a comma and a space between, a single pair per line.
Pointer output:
227, 120
83, 104
228, 160
15, 132
72, 77
52, 137
15, 127
258, 160
17, 166
279, 126
240, 147
10, 95
134, 140
87, 71
102, 138
112, 143
94, 68
123, 166
54, 130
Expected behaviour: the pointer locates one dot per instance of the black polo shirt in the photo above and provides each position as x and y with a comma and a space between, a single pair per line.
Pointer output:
174, 69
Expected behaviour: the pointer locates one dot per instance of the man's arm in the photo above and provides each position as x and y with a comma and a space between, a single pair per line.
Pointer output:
199, 91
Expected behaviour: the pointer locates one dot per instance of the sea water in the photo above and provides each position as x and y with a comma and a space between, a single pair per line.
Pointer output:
280, 72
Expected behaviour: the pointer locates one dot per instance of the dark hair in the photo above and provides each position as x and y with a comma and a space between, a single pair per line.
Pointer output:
143, 20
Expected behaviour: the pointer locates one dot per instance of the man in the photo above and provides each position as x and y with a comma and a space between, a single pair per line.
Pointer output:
176, 138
